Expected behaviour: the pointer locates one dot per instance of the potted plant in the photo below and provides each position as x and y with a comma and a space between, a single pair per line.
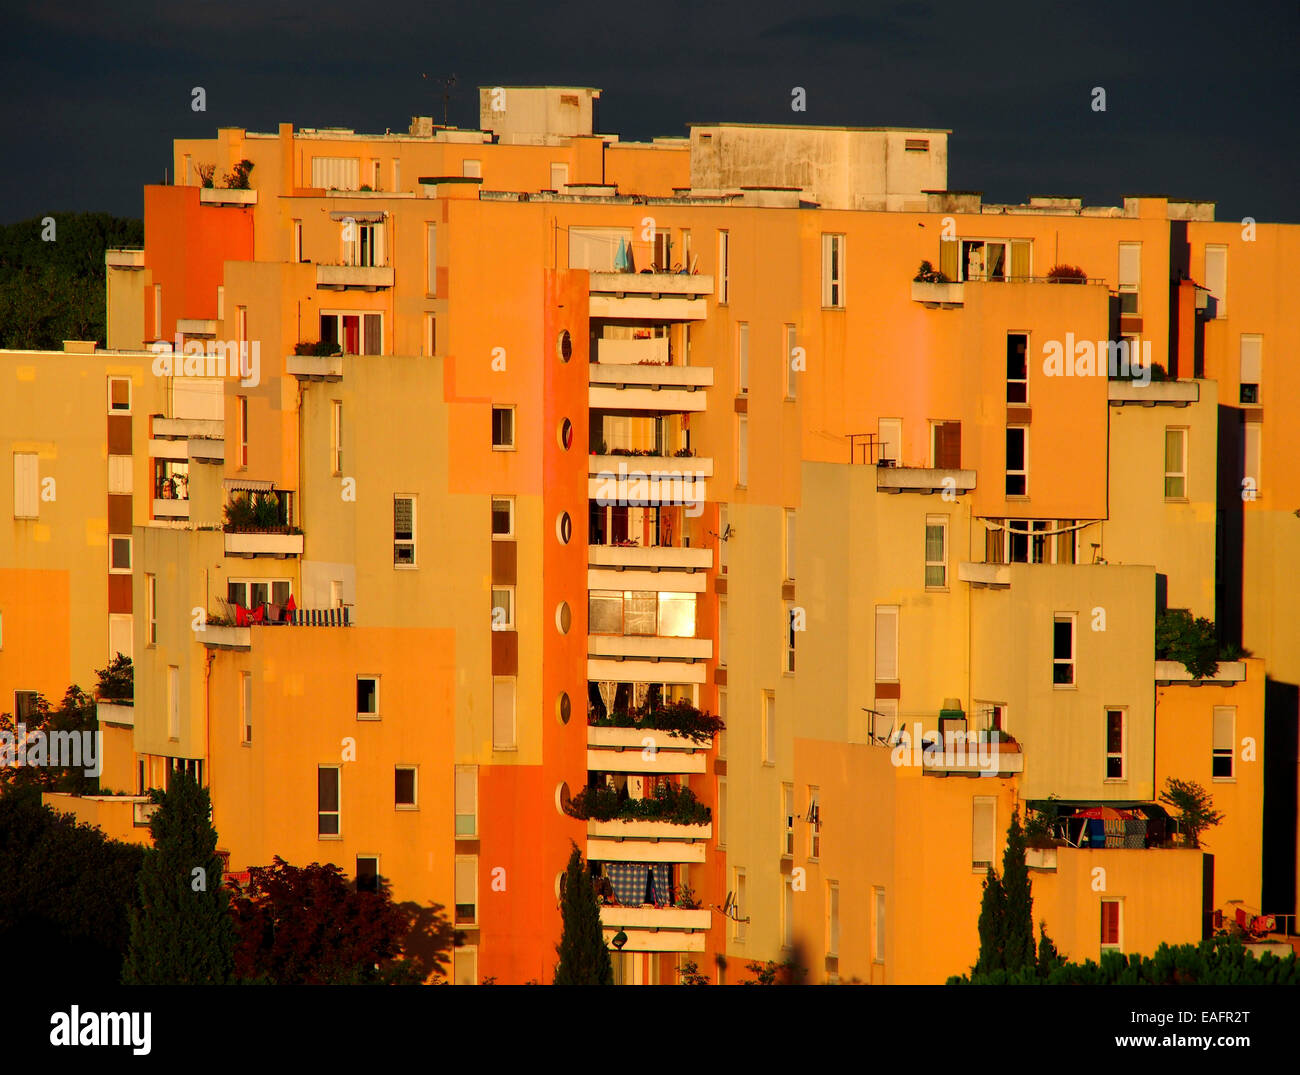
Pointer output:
1066, 274
928, 274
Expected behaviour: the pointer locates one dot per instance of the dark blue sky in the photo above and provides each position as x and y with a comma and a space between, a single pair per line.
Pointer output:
1201, 97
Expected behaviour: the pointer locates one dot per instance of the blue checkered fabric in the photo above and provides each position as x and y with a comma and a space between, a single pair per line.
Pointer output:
629, 881
661, 878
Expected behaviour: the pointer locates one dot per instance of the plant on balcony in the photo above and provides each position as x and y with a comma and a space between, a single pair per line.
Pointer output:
1193, 642
206, 172
651, 362
1040, 825
690, 974
1195, 808
928, 274
1066, 274
237, 178
686, 898
625, 543
672, 803
116, 681
684, 453
212, 620
678, 718
255, 513
633, 451
584, 959
317, 348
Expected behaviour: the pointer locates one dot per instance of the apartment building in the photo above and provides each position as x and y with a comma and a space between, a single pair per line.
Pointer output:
823, 500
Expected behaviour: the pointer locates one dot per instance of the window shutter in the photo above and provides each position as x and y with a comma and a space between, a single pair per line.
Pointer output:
1251, 359
948, 258
432, 246
947, 455
374, 344
503, 713
26, 485
887, 643
1216, 274
1019, 260
983, 829
1130, 264
1224, 719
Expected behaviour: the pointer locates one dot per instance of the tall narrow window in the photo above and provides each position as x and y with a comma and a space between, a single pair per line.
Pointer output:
329, 800
1175, 464
297, 241
886, 643
791, 358
832, 918
791, 625
984, 831
1252, 431
367, 873
367, 697
769, 728
403, 531
1251, 363
246, 707
739, 923
722, 632
157, 312
742, 358
724, 266
503, 608
119, 395
1063, 649
1216, 278
936, 552
503, 712
1225, 731
242, 409
1017, 367
1130, 277
405, 787
878, 925
742, 449
466, 800
431, 258
27, 485
1115, 744
889, 436
833, 271
336, 437
787, 912
723, 539
1017, 483
173, 702
1111, 925
560, 179
787, 820
466, 890
814, 820
722, 812
789, 544
151, 609
503, 517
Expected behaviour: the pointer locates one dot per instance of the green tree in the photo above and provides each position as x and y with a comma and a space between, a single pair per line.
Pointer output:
74, 716
1194, 642
182, 933
1018, 929
1048, 957
1195, 808
584, 959
992, 925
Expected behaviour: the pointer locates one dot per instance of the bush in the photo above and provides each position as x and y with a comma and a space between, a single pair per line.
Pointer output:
117, 681
317, 348
1193, 642
237, 179
676, 718
672, 803
206, 172
1066, 274
1195, 808
928, 274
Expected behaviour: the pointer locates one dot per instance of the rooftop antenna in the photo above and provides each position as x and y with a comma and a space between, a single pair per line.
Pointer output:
447, 84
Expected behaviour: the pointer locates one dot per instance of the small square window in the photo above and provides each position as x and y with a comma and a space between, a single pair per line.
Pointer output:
119, 395
120, 555
503, 608
367, 697
404, 787
503, 516
367, 873
503, 427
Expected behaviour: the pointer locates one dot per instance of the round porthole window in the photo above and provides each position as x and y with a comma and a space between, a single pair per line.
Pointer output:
566, 434
564, 528
563, 707
564, 346
562, 798
563, 617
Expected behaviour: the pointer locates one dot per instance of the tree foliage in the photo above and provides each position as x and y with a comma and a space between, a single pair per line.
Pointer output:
584, 959
1194, 642
1195, 808
1018, 931
182, 933
75, 714
310, 925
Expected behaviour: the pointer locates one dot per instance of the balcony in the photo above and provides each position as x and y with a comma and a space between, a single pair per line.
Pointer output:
118, 713
656, 929
355, 277
187, 428
124, 259
314, 367
938, 296
651, 352
620, 750
224, 196
958, 753
1126, 392
196, 326
925, 480
645, 480
1174, 672
249, 543
649, 648
649, 296
259, 521
171, 509
222, 636
646, 841
994, 576
676, 389
609, 567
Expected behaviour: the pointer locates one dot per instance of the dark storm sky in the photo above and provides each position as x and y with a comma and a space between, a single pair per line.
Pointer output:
1201, 97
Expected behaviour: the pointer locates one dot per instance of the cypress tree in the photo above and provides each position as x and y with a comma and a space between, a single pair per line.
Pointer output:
182, 933
1018, 930
991, 925
584, 959
1048, 957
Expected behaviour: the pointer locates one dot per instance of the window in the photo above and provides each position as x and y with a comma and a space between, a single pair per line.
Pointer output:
1130, 277
119, 555
742, 449
466, 890
151, 609
467, 800
405, 787
353, 334
157, 312
722, 542
789, 636
503, 517
246, 707
832, 918
297, 240
403, 531
173, 702
120, 639
884, 719
503, 428
503, 712
1114, 744
886, 643
251, 593
814, 820
465, 965
724, 264
503, 608
791, 374
1175, 464
1225, 733
472, 169
121, 477
722, 812
328, 800
889, 435
945, 445
242, 412
336, 437
833, 271
742, 358
769, 728
992, 716
722, 716
789, 544
984, 831
878, 925
560, 180
25, 705
1017, 461
431, 258
367, 873
119, 395
1216, 277
936, 552
1017, 367
336, 173
1111, 925
739, 925
722, 632
1063, 649
367, 697
787, 913
27, 485
787, 819
1251, 363
432, 334
1252, 432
